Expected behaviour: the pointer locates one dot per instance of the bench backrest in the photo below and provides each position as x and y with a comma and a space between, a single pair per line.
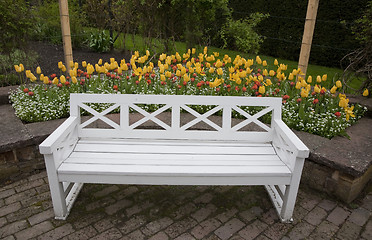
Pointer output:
181, 116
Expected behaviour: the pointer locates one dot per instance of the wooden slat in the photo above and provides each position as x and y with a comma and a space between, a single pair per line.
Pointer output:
148, 170
138, 148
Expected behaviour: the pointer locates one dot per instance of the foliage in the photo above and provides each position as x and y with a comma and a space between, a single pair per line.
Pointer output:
240, 34
17, 56
48, 23
100, 41
358, 62
15, 24
284, 28
307, 106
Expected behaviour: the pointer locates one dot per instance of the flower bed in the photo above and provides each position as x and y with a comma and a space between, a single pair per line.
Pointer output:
307, 106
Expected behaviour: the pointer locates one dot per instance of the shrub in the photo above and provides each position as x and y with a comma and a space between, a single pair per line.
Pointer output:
100, 42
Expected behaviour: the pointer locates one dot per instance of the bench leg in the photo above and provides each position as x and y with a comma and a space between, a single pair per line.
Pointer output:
284, 197
62, 197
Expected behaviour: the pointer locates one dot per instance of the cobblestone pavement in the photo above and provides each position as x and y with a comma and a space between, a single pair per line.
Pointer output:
176, 212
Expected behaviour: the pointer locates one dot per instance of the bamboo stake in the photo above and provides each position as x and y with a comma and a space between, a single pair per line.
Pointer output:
307, 38
66, 34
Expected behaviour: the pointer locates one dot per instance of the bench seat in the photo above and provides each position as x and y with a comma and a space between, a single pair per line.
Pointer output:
186, 162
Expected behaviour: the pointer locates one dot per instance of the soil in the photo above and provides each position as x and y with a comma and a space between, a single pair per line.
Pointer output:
49, 55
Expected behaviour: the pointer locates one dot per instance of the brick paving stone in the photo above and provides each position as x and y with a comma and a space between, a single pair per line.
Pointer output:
367, 232
338, 216
325, 230
3, 221
30, 185
101, 203
36, 176
87, 219
262, 237
359, 216
12, 228
115, 207
309, 203
20, 196
10, 208
157, 225
185, 236
180, 227
301, 230
229, 228
205, 198
253, 230
40, 217
298, 214
316, 216
110, 234
42, 189
23, 213
138, 208
349, 230
204, 212
103, 225
34, 231
36, 199
13, 185
367, 202
132, 224
82, 234
227, 215
136, 235
183, 210
270, 216
277, 231
6, 193
58, 232
2, 203
327, 205
159, 236
251, 213
106, 191
126, 192
205, 228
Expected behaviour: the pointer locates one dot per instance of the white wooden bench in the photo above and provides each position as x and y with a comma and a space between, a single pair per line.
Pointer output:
175, 153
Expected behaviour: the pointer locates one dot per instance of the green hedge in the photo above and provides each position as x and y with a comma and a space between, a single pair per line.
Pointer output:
332, 37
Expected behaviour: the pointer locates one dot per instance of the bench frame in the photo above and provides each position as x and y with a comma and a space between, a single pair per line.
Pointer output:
61, 143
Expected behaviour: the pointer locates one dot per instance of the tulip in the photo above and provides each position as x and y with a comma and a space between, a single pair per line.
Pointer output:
38, 70
74, 80
22, 67
338, 84
60, 64
63, 69
71, 64
333, 90
268, 82
46, 80
219, 71
324, 77
304, 93
276, 62
309, 79
100, 61
264, 63
265, 73
343, 102
258, 60
62, 79
365, 93
55, 81
349, 112
316, 89
84, 64
261, 89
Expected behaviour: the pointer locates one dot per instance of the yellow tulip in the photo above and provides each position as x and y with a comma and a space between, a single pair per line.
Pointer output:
260, 78
219, 71
265, 73
349, 112
162, 57
62, 79
264, 63
261, 89
162, 77
272, 73
168, 74
205, 50
193, 50
84, 64
290, 77
298, 85
100, 61
71, 64
324, 77
365, 93
41, 77
38, 70
248, 70
46, 80
22, 67
74, 80
28, 73
316, 89
276, 62
318, 79
76, 65
258, 60
17, 68
242, 74
268, 82
147, 53
343, 102
304, 93
338, 84
178, 73
211, 70
60, 64
333, 90
63, 69
55, 81
309, 79
207, 65
186, 78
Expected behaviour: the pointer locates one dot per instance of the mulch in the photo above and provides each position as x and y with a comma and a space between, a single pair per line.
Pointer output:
49, 55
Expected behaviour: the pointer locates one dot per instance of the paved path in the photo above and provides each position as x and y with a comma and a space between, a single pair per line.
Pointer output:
169, 212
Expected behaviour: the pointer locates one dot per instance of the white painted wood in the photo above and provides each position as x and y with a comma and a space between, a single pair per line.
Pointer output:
175, 154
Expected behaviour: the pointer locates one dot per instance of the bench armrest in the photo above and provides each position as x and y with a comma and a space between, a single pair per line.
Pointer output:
296, 145
54, 140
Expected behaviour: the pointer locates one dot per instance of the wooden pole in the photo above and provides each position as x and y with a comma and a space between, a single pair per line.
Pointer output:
66, 34
312, 9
